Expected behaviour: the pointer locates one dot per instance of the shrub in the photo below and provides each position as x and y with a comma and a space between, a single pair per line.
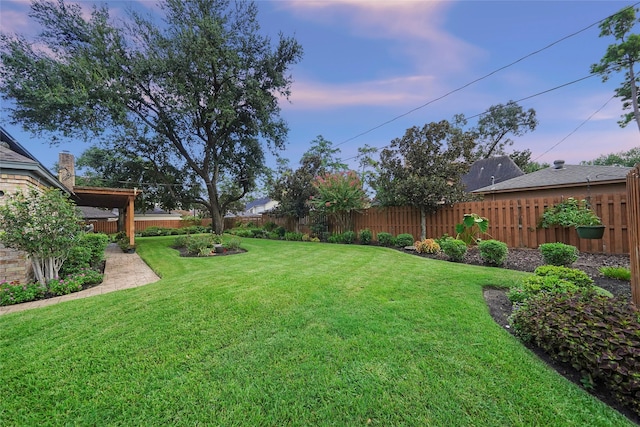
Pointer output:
87, 277
324, 236
365, 236
15, 293
427, 246
348, 237
305, 237
293, 236
181, 241
78, 259
598, 336
194, 229
269, 226
493, 252
455, 249
558, 254
274, 236
386, 239
233, 244
619, 273
155, 231
404, 239
97, 243
202, 245
280, 231
335, 238
573, 275
314, 240
64, 286
534, 285
243, 232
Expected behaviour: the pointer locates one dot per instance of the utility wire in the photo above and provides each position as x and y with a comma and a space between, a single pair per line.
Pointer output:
481, 78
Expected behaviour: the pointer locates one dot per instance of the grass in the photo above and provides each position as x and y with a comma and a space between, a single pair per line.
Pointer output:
619, 273
289, 333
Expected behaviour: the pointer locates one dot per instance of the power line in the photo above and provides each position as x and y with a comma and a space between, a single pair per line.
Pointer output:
482, 78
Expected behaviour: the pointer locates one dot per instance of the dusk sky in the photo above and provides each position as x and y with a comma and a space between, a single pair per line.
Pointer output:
372, 69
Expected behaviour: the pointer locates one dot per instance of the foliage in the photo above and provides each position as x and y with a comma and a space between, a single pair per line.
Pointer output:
88, 252
573, 275
324, 151
339, 194
294, 189
202, 244
623, 56
365, 236
45, 225
79, 258
471, 227
496, 123
623, 158
15, 293
569, 213
558, 254
386, 239
424, 169
534, 285
269, 226
124, 243
455, 249
427, 246
233, 244
620, 273
404, 239
97, 244
523, 160
598, 336
280, 231
87, 277
293, 236
197, 91
335, 238
348, 237
493, 252
64, 286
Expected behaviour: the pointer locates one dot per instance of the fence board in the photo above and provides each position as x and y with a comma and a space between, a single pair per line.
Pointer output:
633, 212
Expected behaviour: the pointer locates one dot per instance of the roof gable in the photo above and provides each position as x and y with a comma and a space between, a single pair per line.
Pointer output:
493, 170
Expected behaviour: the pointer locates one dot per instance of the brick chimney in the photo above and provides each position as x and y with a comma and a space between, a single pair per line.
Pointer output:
67, 170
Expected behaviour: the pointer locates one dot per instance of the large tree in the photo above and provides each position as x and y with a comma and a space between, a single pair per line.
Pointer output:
424, 168
622, 57
202, 87
629, 158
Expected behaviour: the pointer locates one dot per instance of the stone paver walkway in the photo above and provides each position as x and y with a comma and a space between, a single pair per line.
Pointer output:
122, 271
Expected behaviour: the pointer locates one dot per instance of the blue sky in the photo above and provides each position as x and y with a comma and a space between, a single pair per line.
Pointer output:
367, 63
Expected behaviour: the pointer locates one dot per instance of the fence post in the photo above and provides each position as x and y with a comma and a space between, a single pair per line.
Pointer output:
633, 213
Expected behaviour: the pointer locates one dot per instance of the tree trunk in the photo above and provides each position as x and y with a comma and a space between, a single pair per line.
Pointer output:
217, 221
634, 95
423, 224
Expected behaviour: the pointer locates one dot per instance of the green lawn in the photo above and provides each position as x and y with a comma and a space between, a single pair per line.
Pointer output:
289, 333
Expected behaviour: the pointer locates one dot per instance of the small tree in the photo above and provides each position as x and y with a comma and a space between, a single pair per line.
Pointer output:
45, 226
339, 194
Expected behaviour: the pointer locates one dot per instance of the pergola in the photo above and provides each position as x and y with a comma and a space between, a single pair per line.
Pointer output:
121, 198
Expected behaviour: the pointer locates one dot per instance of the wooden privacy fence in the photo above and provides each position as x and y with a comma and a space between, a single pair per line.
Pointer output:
111, 227
633, 209
511, 221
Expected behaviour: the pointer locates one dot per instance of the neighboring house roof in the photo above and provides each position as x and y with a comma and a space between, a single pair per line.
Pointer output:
158, 212
258, 202
561, 175
89, 213
14, 157
491, 171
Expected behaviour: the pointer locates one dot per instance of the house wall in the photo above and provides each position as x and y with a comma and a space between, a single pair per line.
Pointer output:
15, 265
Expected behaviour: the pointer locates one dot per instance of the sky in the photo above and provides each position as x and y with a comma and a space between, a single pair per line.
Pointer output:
372, 69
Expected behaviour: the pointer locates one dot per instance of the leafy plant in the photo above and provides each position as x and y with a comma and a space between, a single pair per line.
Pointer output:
365, 236
386, 239
534, 285
16, 293
203, 244
573, 275
569, 213
558, 253
338, 194
404, 239
293, 236
427, 246
597, 335
619, 273
348, 237
87, 276
454, 249
233, 244
471, 227
493, 252
64, 286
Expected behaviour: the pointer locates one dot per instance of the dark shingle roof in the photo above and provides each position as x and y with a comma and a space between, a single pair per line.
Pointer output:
566, 175
95, 213
257, 202
485, 172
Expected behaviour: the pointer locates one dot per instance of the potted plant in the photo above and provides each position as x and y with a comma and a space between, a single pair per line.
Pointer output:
574, 213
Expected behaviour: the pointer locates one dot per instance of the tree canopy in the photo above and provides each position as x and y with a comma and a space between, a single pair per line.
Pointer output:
424, 168
622, 56
197, 93
623, 158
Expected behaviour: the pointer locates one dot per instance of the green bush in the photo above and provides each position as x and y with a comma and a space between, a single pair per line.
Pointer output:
534, 285
598, 336
64, 286
181, 241
87, 277
386, 239
293, 236
203, 244
404, 239
15, 293
154, 231
573, 275
269, 226
274, 236
194, 229
97, 243
365, 236
243, 232
493, 252
335, 238
280, 231
558, 254
233, 244
619, 273
258, 233
348, 237
454, 249
79, 258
